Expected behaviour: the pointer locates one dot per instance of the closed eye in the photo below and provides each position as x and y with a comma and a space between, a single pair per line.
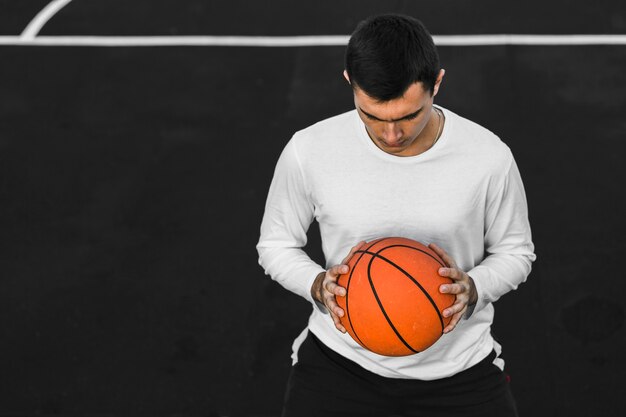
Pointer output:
407, 117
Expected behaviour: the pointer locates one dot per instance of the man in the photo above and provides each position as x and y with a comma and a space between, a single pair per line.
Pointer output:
398, 165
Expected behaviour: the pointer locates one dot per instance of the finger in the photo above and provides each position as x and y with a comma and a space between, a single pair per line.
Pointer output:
353, 251
336, 317
333, 307
454, 309
453, 273
337, 270
333, 288
443, 254
454, 321
453, 289
338, 324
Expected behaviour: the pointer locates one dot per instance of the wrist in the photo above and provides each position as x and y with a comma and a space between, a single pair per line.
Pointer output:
473, 297
316, 288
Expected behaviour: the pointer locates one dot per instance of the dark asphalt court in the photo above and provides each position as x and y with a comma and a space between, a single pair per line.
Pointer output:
133, 180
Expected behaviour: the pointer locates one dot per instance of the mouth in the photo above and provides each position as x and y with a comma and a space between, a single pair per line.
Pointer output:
398, 144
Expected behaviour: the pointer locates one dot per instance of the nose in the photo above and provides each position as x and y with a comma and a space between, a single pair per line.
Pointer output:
392, 132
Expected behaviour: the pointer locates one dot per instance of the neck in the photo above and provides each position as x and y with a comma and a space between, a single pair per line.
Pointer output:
429, 136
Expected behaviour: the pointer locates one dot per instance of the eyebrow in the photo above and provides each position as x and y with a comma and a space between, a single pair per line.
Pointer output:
408, 116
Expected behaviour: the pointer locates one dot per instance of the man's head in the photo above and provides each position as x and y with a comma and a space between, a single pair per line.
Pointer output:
393, 67
388, 53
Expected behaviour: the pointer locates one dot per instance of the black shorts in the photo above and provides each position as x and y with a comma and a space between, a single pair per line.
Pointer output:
323, 383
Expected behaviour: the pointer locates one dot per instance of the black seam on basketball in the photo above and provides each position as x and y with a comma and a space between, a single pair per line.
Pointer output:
380, 304
432, 302
439, 261
377, 241
348, 293
348, 286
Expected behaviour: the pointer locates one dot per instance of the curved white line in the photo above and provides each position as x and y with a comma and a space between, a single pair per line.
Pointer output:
295, 41
38, 22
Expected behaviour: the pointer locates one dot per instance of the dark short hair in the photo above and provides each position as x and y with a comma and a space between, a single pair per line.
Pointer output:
388, 53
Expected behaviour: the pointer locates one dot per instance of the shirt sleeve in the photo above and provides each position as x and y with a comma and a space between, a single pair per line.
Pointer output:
508, 242
289, 211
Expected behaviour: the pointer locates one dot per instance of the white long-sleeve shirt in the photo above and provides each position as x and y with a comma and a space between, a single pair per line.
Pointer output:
464, 194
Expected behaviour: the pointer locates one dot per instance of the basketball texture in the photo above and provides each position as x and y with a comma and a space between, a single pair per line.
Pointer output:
393, 306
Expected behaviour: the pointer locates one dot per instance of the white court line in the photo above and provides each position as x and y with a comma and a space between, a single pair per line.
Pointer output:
38, 22
461, 40
295, 41
268, 41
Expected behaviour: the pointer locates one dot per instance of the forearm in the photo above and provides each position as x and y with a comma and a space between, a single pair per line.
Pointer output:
508, 242
288, 215
290, 267
499, 274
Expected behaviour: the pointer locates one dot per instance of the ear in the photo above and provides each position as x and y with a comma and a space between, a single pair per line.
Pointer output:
345, 75
438, 82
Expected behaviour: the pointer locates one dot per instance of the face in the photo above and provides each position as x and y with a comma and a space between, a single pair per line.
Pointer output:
403, 126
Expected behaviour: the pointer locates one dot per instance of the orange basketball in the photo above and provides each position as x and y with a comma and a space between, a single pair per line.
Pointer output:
393, 306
